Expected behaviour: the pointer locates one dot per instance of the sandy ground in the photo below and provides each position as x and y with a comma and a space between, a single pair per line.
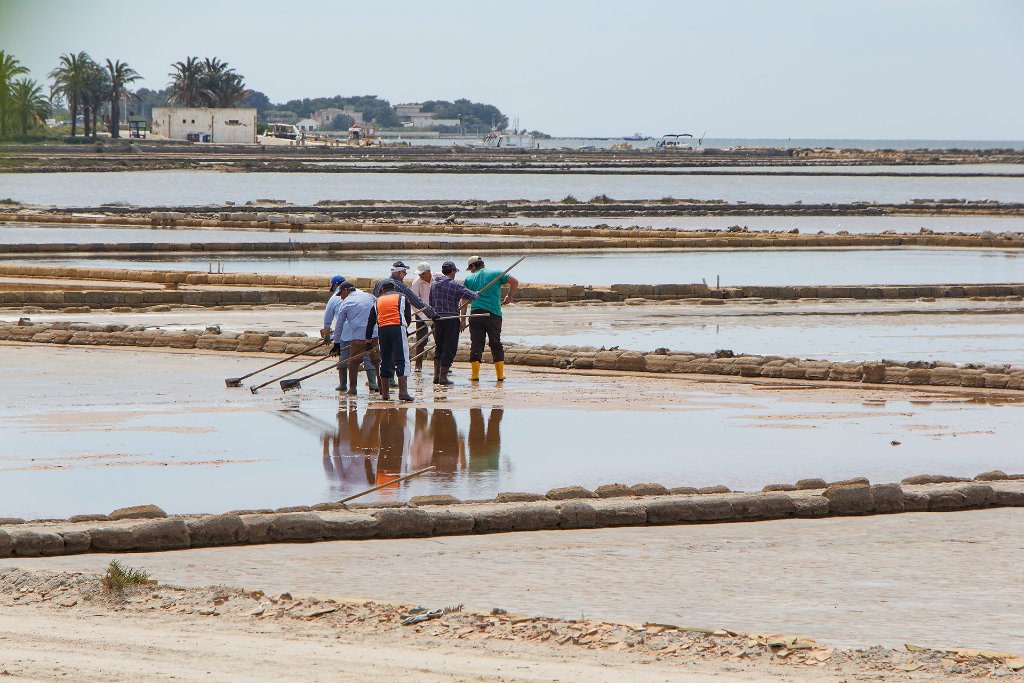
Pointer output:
59, 626
932, 579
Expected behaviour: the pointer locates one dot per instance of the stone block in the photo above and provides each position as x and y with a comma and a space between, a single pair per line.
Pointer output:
295, 526
683, 491
517, 497
160, 534
887, 498
779, 487
26, 544
74, 542
850, 499
931, 479
764, 506
6, 543
696, 509
813, 483
946, 500
1002, 497
576, 514
720, 488
613, 491
810, 506
527, 517
993, 475
404, 522
976, 495
437, 499
914, 501
137, 512
624, 513
873, 373
351, 526
224, 529
111, 539
569, 492
451, 522
648, 490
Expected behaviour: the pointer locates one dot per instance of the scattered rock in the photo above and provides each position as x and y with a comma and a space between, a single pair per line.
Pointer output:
613, 491
569, 492
648, 490
807, 484
931, 479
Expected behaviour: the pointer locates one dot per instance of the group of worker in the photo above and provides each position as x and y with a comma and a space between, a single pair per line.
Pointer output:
373, 330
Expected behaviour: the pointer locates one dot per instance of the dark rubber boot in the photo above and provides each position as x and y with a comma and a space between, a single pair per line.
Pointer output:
385, 389
403, 390
371, 380
437, 372
353, 380
393, 382
342, 378
443, 379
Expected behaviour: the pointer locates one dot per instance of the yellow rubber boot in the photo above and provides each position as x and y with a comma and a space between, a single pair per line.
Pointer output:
499, 370
474, 371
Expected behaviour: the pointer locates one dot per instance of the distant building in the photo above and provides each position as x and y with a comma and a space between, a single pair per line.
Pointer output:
408, 110
205, 124
323, 117
307, 125
428, 121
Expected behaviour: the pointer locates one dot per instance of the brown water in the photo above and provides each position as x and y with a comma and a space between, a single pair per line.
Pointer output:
89, 430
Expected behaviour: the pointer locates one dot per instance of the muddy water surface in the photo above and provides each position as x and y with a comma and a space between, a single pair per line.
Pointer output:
88, 430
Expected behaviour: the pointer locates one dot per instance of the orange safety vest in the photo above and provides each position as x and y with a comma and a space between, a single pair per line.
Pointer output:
389, 310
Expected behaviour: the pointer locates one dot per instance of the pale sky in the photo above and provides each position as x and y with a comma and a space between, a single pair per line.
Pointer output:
864, 69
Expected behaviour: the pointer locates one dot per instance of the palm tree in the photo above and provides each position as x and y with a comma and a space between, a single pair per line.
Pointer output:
95, 91
119, 76
9, 68
187, 86
29, 105
69, 80
229, 90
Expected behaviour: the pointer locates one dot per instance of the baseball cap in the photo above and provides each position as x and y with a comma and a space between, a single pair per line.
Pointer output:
388, 286
449, 267
422, 268
337, 280
473, 260
346, 286
399, 265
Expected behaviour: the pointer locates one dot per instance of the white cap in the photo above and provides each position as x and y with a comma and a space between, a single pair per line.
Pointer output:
423, 267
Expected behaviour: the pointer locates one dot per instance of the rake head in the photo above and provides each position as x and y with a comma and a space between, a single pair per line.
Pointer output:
253, 389
233, 382
287, 384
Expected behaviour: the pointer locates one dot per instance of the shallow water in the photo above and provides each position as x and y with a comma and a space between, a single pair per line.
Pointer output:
805, 224
804, 267
50, 234
214, 461
189, 188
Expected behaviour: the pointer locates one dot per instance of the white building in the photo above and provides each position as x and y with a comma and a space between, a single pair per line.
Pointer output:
323, 117
428, 121
205, 124
307, 125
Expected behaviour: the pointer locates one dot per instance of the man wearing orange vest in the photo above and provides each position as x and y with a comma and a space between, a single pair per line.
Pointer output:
391, 316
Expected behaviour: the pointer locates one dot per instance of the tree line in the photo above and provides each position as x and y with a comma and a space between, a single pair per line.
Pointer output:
90, 88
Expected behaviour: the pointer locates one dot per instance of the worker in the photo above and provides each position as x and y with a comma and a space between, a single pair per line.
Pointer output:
349, 324
421, 288
448, 297
330, 312
398, 272
488, 325
390, 316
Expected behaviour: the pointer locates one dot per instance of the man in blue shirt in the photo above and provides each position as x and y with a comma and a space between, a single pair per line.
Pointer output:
447, 296
330, 313
349, 326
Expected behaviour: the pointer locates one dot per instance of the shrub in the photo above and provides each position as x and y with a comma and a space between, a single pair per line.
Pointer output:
120, 576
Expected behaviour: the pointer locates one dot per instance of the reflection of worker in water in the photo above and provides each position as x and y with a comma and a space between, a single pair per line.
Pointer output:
421, 450
484, 440
393, 444
350, 453
449, 446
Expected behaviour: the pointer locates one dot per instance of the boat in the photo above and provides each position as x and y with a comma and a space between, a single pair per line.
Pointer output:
674, 141
636, 137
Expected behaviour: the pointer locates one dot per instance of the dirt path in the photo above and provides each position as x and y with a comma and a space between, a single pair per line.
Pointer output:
61, 626
935, 579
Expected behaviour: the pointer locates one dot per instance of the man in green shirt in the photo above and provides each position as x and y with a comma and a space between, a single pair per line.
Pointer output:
488, 326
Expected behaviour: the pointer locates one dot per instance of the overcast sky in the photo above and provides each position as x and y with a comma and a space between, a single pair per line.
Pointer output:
901, 69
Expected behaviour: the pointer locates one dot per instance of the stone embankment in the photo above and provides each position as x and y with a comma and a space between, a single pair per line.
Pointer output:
149, 528
722, 363
598, 237
40, 285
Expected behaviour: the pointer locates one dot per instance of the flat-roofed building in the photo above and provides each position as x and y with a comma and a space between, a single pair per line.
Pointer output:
205, 124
